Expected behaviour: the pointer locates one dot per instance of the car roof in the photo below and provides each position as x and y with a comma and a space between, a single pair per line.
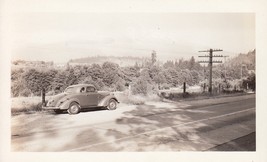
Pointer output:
81, 85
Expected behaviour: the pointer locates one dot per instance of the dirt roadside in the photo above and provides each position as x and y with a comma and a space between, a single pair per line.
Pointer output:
218, 99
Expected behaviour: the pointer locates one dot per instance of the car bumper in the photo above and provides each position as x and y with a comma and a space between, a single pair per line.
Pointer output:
50, 108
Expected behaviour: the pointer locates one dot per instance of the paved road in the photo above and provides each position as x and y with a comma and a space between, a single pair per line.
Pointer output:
245, 143
225, 124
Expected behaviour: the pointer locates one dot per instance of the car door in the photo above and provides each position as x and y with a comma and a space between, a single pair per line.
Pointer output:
92, 96
83, 98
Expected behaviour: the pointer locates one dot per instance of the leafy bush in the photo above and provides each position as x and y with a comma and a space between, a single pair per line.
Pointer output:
143, 77
120, 85
25, 92
165, 86
50, 93
250, 82
139, 99
136, 100
141, 86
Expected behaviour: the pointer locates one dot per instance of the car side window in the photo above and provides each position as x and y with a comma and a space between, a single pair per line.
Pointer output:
90, 89
82, 90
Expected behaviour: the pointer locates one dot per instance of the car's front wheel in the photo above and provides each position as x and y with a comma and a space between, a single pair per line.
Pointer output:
74, 108
112, 104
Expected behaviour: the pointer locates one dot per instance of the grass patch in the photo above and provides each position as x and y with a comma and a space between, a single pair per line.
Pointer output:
25, 105
136, 99
33, 104
197, 96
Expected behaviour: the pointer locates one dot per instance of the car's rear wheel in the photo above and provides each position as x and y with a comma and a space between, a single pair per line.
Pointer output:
74, 108
112, 104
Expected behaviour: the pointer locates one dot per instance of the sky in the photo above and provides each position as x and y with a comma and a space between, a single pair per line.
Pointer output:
61, 36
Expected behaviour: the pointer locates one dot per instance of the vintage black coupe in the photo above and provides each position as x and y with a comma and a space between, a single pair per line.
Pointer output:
77, 97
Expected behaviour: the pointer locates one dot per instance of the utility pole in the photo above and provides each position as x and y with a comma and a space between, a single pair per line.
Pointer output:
210, 62
204, 74
242, 65
241, 71
225, 66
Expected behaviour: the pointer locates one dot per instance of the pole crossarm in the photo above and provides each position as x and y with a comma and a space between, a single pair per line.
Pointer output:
214, 50
218, 56
204, 56
204, 51
203, 61
216, 61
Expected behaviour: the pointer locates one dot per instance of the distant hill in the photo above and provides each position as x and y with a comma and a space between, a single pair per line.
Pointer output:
248, 60
122, 61
19, 64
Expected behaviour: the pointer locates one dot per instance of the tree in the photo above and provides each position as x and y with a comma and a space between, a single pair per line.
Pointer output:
144, 74
110, 73
160, 79
185, 76
168, 64
142, 86
17, 82
18, 88
95, 71
80, 72
89, 80
153, 57
38, 80
192, 63
250, 82
120, 85
70, 76
172, 76
153, 71
182, 64
195, 77
130, 73
59, 82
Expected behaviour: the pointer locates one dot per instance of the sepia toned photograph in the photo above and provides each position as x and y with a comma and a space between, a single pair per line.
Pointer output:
133, 82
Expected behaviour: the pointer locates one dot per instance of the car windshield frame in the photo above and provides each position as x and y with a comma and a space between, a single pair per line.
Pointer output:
70, 90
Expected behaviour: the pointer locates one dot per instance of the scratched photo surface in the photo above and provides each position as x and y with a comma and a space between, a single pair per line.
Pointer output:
136, 82
132, 82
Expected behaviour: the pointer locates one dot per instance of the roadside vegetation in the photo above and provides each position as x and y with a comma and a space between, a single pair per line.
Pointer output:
146, 80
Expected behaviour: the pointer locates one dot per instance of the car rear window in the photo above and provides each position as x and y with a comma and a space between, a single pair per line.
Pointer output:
90, 89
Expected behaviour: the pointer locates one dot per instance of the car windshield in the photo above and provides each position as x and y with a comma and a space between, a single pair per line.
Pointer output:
70, 90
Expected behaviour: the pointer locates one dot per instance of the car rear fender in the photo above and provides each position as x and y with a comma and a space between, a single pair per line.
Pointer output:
105, 100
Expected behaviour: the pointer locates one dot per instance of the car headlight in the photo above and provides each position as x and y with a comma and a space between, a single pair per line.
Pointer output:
60, 102
50, 102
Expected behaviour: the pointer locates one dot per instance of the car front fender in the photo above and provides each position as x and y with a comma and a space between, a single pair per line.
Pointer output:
65, 105
104, 102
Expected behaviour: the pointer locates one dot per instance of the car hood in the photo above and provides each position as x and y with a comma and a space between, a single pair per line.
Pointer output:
59, 96
54, 99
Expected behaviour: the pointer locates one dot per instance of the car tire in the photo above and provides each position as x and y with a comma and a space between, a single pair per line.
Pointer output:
74, 108
112, 104
58, 111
